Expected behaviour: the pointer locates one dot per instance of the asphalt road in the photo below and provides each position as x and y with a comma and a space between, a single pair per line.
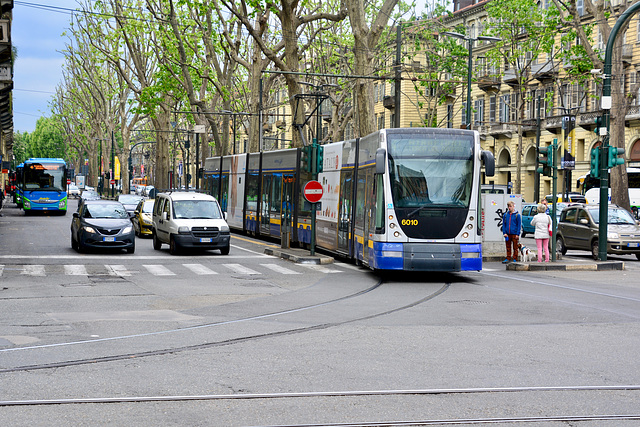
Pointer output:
246, 339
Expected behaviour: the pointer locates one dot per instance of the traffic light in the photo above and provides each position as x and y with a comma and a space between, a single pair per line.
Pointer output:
305, 158
595, 162
613, 159
545, 159
598, 122
319, 158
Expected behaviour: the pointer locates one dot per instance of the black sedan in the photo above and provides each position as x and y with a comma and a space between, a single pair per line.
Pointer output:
102, 224
130, 201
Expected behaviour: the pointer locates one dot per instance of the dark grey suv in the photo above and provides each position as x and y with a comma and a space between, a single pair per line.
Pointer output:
578, 229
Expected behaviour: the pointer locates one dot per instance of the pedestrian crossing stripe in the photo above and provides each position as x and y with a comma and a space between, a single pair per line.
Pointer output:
156, 270
199, 269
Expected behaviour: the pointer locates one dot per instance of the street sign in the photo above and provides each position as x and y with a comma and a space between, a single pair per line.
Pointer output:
112, 182
313, 191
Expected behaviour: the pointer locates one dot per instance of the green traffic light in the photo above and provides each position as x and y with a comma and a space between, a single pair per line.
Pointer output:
613, 159
595, 162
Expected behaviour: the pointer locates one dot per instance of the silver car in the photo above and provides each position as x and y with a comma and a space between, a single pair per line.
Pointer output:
578, 228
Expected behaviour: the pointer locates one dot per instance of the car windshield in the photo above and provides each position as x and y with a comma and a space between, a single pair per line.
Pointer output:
616, 216
111, 210
129, 199
147, 207
203, 209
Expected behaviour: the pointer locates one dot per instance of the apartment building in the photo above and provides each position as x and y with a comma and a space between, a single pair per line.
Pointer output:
549, 93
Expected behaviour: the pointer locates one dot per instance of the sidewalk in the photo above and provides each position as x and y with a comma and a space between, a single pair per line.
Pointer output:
300, 256
566, 265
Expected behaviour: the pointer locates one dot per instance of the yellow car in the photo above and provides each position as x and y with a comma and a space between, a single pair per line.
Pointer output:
141, 219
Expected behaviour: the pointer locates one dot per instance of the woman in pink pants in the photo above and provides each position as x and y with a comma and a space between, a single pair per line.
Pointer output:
542, 223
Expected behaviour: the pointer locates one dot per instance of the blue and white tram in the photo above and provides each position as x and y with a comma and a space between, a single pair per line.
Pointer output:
398, 199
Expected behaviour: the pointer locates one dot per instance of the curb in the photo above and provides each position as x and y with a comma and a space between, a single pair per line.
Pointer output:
601, 266
299, 258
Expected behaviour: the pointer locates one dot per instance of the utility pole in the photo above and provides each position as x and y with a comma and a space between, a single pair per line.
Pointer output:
606, 109
398, 82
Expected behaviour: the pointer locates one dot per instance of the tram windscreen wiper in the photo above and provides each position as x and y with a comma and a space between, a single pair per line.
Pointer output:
413, 212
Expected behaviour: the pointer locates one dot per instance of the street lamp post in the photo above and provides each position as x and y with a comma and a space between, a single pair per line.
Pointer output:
470, 41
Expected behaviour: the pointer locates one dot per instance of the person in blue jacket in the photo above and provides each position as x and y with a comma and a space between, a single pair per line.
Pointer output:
511, 229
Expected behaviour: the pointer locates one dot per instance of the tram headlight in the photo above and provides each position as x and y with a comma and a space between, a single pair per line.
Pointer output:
465, 235
390, 217
392, 225
469, 226
396, 234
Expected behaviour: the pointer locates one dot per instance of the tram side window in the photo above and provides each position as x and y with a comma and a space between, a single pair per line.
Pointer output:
276, 193
225, 192
379, 207
265, 206
361, 189
253, 181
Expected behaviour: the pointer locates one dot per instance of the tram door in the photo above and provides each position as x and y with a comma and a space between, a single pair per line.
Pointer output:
265, 205
345, 213
287, 208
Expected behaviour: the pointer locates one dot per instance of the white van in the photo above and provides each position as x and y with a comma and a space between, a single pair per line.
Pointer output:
189, 220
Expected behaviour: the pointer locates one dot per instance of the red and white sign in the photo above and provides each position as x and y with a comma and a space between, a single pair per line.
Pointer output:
313, 191
112, 182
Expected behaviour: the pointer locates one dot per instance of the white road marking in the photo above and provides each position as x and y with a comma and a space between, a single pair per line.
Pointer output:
279, 269
321, 268
1, 269
159, 270
117, 270
75, 270
33, 270
199, 269
237, 268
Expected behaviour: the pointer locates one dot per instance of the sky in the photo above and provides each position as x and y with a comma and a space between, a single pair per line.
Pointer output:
36, 32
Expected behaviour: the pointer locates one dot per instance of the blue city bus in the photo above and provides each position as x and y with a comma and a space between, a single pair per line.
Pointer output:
44, 185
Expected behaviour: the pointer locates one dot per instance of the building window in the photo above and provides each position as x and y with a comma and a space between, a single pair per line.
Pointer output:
478, 114
449, 116
504, 108
492, 109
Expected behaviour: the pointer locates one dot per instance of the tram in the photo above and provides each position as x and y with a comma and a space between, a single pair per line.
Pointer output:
398, 199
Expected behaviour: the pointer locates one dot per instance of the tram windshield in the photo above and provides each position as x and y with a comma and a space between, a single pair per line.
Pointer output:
430, 171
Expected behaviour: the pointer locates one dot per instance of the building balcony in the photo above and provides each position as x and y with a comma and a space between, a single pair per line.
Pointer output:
587, 120
501, 130
489, 83
553, 124
545, 71
389, 102
529, 127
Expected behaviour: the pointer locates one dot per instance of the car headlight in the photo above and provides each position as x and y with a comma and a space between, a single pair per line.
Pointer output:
184, 229
89, 229
62, 204
224, 229
26, 204
127, 229
612, 235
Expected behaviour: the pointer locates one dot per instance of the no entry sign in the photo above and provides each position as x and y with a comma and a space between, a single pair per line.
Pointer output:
313, 191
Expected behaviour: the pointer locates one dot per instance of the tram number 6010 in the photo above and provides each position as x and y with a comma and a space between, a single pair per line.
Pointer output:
409, 222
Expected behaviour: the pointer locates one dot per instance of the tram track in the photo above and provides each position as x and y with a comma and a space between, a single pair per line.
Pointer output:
217, 343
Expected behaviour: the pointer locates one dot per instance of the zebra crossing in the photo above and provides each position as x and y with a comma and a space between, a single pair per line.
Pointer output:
160, 270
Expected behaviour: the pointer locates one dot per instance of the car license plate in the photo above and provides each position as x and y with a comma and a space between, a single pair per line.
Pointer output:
108, 239
633, 245
205, 240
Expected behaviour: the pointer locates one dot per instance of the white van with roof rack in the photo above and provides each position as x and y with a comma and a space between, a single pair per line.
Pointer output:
189, 220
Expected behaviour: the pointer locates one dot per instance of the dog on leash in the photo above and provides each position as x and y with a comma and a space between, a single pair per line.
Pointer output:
526, 254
